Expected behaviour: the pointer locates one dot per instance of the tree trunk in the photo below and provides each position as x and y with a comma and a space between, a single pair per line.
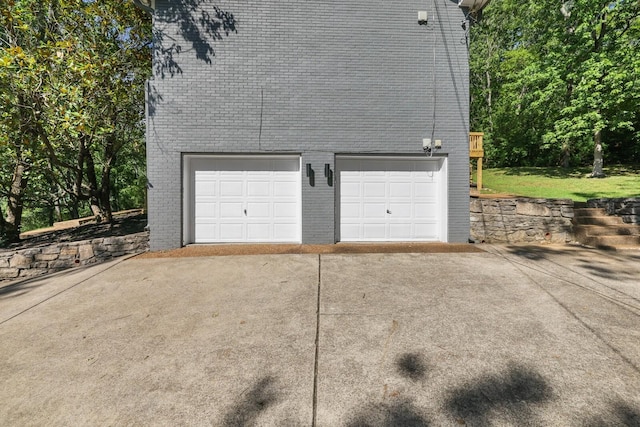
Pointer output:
598, 160
489, 100
2, 225
94, 195
15, 202
110, 151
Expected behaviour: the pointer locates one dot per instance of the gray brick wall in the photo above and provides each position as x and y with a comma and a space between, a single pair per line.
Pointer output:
318, 201
317, 78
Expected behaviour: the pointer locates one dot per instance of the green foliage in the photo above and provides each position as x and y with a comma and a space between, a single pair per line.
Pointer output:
72, 78
544, 82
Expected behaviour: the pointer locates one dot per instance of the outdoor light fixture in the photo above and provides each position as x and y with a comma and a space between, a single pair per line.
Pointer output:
328, 173
428, 145
422, 17
311, 175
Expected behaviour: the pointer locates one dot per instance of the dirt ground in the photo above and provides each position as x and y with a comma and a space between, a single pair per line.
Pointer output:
121, 226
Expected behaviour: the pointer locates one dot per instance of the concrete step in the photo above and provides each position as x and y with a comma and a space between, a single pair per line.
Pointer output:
606, 230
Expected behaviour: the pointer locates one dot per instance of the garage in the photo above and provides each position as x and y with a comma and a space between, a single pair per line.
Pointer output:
392, 199
241, 199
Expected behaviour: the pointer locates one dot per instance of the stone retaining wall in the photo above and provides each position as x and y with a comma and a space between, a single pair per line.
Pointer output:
628, 208
521, 220
51, 258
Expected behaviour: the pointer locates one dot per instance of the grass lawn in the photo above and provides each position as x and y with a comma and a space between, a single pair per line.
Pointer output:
559, 183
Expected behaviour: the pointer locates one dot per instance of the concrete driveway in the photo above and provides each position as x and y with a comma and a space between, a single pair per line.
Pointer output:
512, 336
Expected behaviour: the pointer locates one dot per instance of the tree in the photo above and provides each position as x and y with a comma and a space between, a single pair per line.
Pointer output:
72, 78
601, 73
564, 77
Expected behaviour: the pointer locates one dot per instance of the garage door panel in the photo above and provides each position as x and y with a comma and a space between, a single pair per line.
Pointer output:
400, 211
373, 231
349, 189
374, 189
257, 232
238, 199
229, 188
391, 199
207, 229
350, 232
285, 188
206, 184
286, 232
230, 210
229, 232
401, 189
285, 210
425, 211
426, 231
206, 210
425, 189
372, 174
258, 210
374, 210
350, 210
399, 231
257, 188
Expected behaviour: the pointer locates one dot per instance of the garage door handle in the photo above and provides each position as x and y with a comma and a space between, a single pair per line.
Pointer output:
388, 211
245, 212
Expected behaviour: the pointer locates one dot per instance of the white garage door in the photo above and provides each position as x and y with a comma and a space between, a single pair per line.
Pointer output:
392, 199
243, 199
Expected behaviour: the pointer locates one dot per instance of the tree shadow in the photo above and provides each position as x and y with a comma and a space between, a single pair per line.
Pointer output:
619, 414
249, 406
600, 271
412, 366
562, 173
197, 30
533, 253
508, 395
19, 287
198, 27
397, 411
548, 172
389, 414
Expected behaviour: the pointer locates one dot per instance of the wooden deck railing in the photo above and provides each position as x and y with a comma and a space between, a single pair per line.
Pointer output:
476, 152
475, 144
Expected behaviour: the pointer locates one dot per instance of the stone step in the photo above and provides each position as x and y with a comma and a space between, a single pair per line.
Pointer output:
606, 230
589, 212
605, 220
611, 241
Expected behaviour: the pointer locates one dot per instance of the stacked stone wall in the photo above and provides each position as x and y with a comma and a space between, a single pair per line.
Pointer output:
46, 259
519, 220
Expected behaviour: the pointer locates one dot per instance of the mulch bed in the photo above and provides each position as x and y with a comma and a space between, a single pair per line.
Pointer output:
338, 248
